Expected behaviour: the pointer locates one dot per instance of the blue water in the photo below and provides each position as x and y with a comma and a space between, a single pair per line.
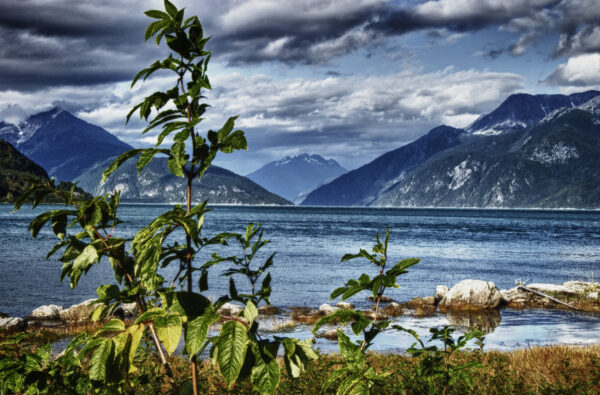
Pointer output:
494, 245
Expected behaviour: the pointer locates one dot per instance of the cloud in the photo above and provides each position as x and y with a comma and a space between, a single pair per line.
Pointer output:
336, 115
579, 71
69, 42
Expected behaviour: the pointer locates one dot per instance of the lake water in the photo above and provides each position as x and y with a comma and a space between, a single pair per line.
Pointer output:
495, 245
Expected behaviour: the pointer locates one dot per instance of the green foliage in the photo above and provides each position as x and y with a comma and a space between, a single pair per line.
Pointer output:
250, 242
356, 377
85, 233
436, 363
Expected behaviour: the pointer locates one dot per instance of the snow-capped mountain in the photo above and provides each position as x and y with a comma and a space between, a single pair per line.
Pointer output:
521, 110
294, 176
548, 157
61, 143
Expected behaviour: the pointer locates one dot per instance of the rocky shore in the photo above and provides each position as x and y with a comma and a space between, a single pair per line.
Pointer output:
468, 303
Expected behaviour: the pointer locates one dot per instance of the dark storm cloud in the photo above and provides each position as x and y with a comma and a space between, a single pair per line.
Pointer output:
70, 43
76, 42
301, 37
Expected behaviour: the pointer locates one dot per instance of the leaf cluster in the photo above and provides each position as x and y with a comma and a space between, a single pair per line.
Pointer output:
356, 377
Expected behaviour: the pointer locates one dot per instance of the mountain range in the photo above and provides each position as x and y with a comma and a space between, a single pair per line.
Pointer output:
69, 148
532, 151
156, 184
293, 177
61, 143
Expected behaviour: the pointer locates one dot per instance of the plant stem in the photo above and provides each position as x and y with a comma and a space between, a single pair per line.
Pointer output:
139, 301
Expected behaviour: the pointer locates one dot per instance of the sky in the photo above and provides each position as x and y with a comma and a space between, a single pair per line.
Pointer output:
346, 79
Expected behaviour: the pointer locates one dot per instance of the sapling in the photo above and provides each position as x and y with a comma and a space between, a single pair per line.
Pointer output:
165, 310
356, 377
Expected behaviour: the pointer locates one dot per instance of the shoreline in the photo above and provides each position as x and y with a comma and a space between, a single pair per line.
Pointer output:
479, 310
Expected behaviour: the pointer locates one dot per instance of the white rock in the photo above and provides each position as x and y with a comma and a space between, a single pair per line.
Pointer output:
12, 323
78, 313
230, 309
49, 312
592, 296
471, 295
345, 305
582, 287
327, 308
553, 288
440, 292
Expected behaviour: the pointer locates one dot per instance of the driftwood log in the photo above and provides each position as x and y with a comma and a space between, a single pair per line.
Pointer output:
524, 288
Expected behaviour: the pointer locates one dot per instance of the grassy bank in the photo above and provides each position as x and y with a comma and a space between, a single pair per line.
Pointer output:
539, 370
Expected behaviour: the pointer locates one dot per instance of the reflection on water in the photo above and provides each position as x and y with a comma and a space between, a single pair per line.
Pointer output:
507, 330
485, 321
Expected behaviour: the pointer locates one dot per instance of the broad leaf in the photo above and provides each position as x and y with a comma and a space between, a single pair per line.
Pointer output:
232, 347
196, 331
168, 329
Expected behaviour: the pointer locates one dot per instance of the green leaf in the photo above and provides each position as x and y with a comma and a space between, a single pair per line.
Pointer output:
114, 325
250, 312
351, 352
87, 258
265, 374
360, 322
156, 14
147, 155
136, 331
59, 225
190, 304
171, 9
232, 346
151, 314
335, 376
118, 162
100, 361
196, 331
168, 329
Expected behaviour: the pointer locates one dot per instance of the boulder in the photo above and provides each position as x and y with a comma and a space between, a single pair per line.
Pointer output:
592, 296
11, 324
269, 310
345, 305
392, 309
517, 298
230, 309
555, 290
471, 295
582, 287
330, 334
384, 299
327, 309
126, 310
440, 292
371, 315
78, 313
46, 313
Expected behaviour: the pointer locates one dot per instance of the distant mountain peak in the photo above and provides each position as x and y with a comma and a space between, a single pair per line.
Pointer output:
521, 110
294, 176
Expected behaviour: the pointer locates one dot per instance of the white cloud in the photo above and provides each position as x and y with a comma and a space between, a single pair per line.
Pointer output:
453, 9
579, 71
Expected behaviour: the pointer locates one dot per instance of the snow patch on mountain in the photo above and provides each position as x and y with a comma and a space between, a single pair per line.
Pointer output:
460, 174
557, 153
